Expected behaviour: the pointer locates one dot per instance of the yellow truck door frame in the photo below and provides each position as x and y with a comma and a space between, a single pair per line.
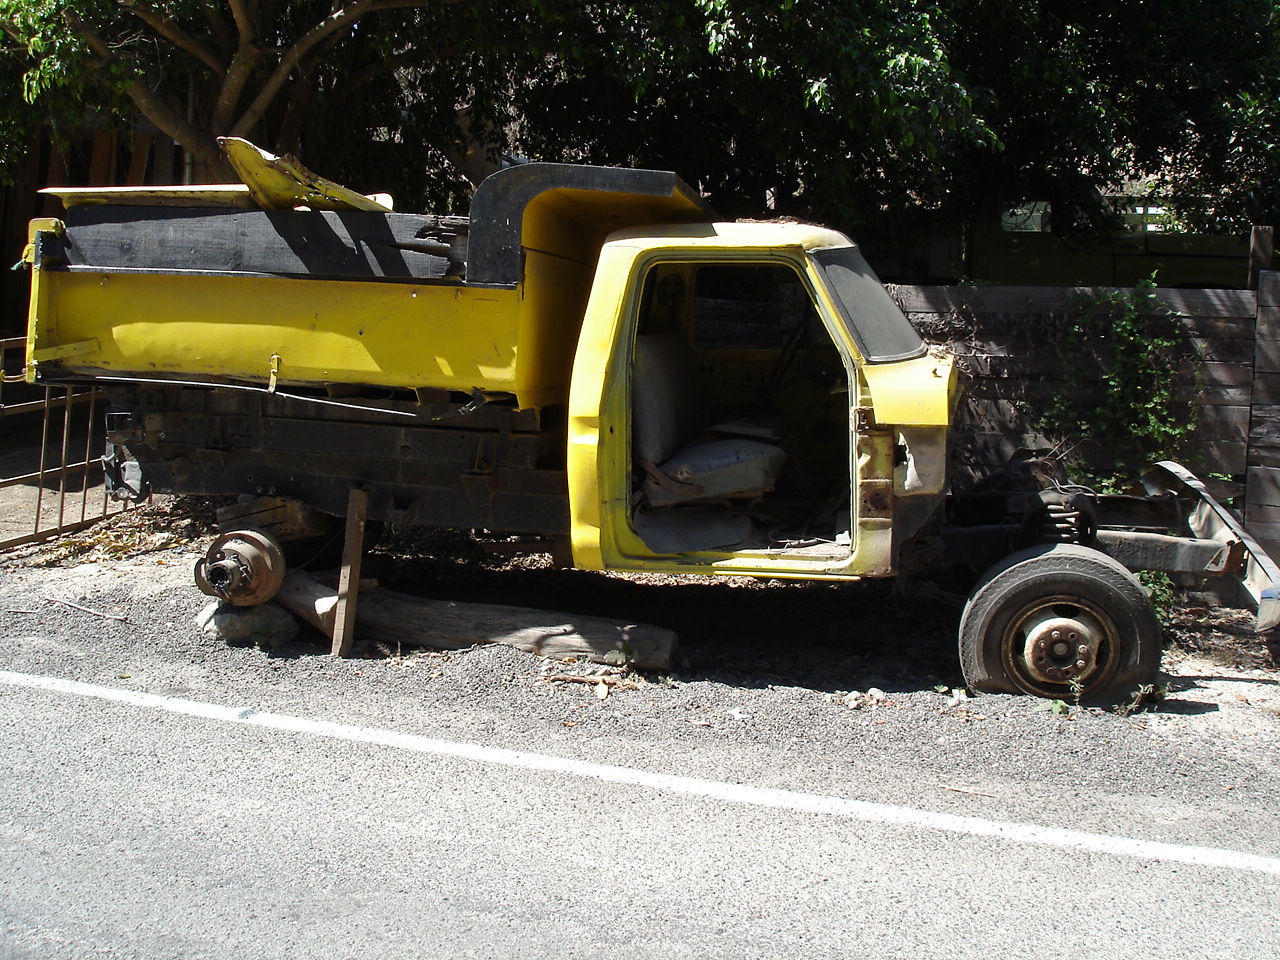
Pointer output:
600, 464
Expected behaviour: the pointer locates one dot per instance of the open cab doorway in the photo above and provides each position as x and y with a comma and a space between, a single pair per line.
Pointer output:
740, 411
726, 412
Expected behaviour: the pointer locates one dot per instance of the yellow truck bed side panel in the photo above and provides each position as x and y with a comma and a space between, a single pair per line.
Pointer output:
322, 331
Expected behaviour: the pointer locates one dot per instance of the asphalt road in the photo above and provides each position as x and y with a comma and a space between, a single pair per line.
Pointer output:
176, 798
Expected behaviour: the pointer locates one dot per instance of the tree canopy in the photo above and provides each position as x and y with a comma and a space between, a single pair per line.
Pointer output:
855, 112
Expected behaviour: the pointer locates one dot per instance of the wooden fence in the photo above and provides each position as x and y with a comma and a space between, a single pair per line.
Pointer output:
1004, 339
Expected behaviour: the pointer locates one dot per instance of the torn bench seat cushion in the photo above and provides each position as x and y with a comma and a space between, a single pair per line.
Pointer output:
669, 417
716, 470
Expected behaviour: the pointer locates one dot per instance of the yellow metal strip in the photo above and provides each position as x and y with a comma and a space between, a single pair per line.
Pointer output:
281, 183
77, 349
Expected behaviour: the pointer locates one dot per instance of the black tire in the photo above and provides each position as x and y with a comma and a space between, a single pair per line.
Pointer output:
1060, 621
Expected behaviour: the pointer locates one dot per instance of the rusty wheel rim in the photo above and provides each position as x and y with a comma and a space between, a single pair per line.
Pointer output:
1060, 646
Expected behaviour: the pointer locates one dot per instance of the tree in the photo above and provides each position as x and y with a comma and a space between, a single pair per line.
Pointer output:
199, 70
1108, 96
816, 109
851, 111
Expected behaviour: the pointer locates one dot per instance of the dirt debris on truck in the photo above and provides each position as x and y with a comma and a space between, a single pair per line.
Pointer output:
592, 357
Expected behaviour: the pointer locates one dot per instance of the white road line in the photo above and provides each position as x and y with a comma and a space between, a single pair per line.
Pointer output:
690, 786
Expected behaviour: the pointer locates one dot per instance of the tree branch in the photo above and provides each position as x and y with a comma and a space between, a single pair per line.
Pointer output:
12, 30
340, 20
165, 26
373, 71
153, 107
244, 21
233, 84
217, 25
248, 51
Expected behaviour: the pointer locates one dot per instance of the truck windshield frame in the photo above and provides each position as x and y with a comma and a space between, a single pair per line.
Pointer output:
881, 332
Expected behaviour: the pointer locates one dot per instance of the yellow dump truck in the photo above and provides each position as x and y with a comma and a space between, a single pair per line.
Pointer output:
592, 358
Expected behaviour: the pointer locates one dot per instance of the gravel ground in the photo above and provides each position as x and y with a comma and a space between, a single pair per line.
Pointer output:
848, 677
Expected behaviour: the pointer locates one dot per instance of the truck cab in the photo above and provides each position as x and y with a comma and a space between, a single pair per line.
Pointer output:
746, 398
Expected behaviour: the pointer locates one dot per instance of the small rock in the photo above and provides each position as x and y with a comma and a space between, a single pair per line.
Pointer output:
268, 624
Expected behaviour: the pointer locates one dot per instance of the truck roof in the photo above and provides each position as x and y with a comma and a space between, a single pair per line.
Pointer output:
738, 233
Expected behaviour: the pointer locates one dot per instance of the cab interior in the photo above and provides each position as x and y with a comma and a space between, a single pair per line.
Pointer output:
740, 413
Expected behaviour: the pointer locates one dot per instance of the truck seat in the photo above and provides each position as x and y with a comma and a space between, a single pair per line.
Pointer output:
684, 458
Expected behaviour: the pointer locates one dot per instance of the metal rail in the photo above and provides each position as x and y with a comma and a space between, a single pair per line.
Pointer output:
56, 487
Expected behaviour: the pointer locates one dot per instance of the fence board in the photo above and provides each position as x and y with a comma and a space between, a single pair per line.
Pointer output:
1003, 342
1269, 289
1263, 487
1020, 301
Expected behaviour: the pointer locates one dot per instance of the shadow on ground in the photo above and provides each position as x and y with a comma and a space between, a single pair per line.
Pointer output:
742, 631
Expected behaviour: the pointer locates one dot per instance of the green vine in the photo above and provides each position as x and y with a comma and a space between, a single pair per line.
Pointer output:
1123, 355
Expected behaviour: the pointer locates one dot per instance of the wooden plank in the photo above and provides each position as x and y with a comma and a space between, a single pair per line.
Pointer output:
1213, 424
1262, 244
1019, 347
1266, 412
1020, 334
1257, 513
1265, 531
1266, 356
285, 519
344, 622
1050, 367
1268, 323
414, 621
1268, 326
1264, 435
1222, 349
1271, 547
1269, 289
988, 449
1262, 455
1266, 388
1030, 300
102, 159
1209, 376
1262, 486
138, 158
1223, 423
1209, 303
1042, 392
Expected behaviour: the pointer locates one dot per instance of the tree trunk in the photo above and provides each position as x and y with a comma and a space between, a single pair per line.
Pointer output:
414, 621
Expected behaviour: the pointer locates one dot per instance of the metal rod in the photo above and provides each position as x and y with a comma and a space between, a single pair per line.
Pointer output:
362, 407
16, 408
88, 452
28, 477
63, 473
44, 453
47, 534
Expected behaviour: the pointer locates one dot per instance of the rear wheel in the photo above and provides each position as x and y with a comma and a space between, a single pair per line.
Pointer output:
1060, 621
